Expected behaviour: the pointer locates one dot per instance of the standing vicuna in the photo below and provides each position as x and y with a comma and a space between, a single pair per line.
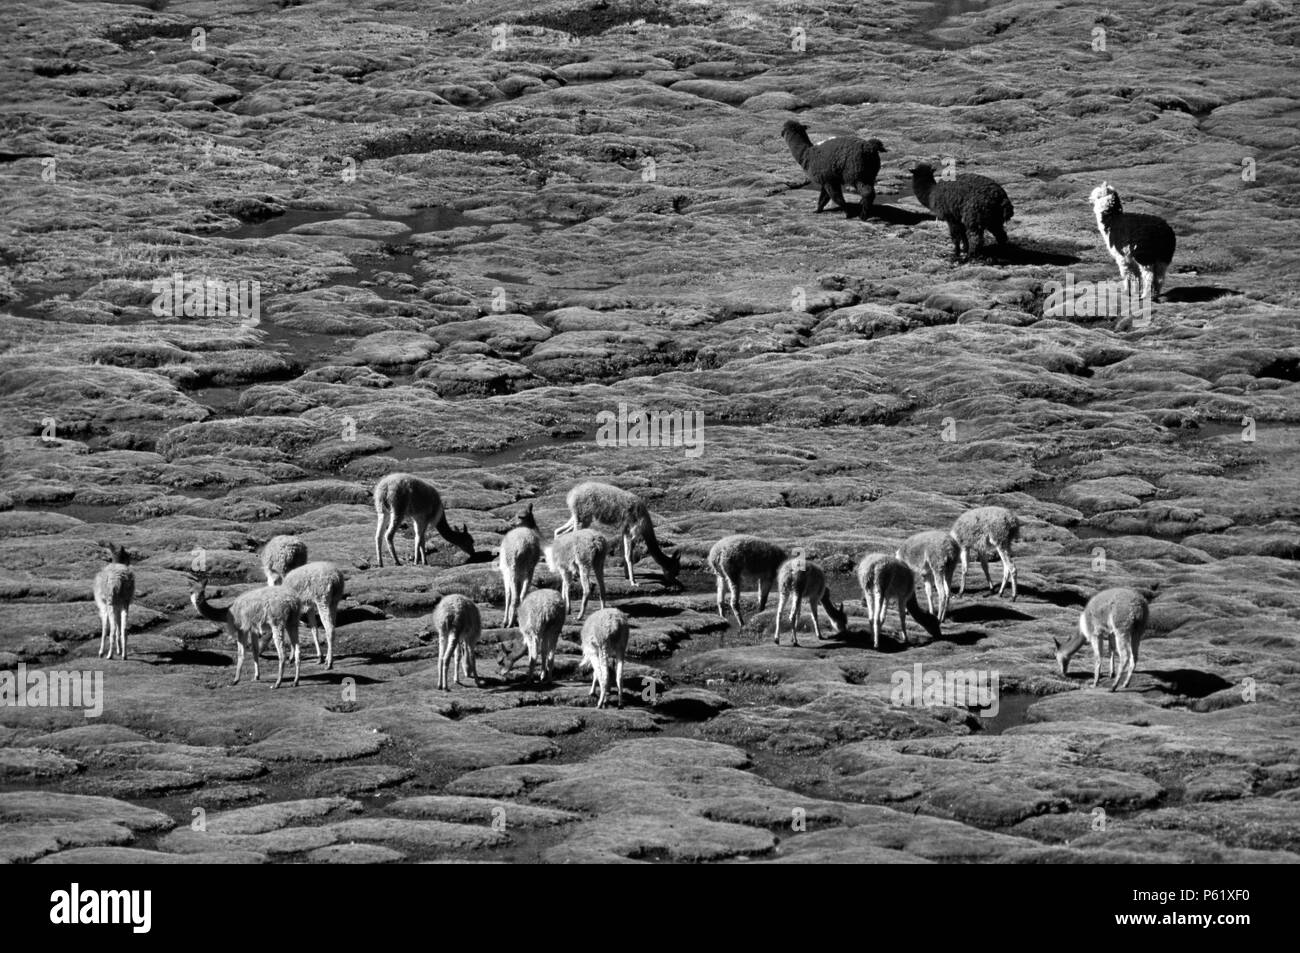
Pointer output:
796, 580
249, 618
400, 495
980, 529
579, 555
738, 559
608, 505
458, 624
320, 590
541, 620
604, 644
280, 555
114, 588
521, 551
1120, 617
932, 556
885, 579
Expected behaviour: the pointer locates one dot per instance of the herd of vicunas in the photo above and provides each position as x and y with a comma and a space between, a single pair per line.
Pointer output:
297, 589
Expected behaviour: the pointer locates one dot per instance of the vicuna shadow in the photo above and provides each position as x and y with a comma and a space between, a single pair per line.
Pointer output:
1195, 294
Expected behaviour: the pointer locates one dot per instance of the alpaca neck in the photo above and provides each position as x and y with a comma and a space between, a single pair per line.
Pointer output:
647, 532
922, 189
800, 145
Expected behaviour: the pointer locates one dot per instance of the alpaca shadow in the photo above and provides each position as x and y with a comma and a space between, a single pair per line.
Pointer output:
1010, 254
987, 613
481, 556
642, 610
892, 214
1188, 681
1196, 294
966, 637
357, 614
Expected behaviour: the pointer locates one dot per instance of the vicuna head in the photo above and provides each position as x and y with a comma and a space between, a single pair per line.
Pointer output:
525, 518
506, 659
118, 554
839, 618
459, 537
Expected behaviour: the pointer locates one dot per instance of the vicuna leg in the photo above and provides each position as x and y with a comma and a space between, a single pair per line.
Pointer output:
585, 583
984, 564
733, 590
902, 618
627, 557
420, 525
817, 629
239, 661
618, 680
121, 633
278, 639
104, 613
721, 585
1008, 571
764, 588
389, 535
963, 556
780, 610
446, 651
794, 617
929, 603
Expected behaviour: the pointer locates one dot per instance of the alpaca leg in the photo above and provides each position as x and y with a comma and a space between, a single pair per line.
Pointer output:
822, 198
595, 681
999, 234
721, 585
984, 564
471, 665
618, 680
1133, 645
780, 610
327, 621
600, 583
902, 619
379, 538
866, 192
567, 527
929, 603
1094, 642
1008, 571
875, 620
121, 633
764, 588
103, 630
1158, 278
239, 661
963, 557
255, 647
817, 629
317, 615
838, 196
794, 617
296, 648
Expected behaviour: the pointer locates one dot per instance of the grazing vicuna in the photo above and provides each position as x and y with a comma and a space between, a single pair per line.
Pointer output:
320, 590
932, 556
250, 618
280, 555
521, 551
457, 622
400, 495
741, 558
604, 644
114, 588
623, 511
799, 579
541, 620
1117, 616
579, 556
885, 579
984, 528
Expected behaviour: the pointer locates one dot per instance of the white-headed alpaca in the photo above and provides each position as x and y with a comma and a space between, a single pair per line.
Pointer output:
982, 529
541, 620
320, 590
604, 644
932, 556
400, 495
885, 579
738, 559
1142, 245
114, 588
1119, 616
796, 580
458, 624
579, 555
521, 551
250, 618
609, 506
280, 555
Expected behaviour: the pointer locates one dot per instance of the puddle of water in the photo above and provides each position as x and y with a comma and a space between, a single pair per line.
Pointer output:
935, 16
531, 449
86, 512
1013, 708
